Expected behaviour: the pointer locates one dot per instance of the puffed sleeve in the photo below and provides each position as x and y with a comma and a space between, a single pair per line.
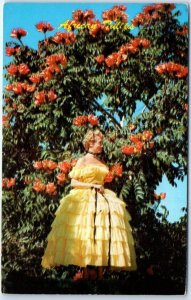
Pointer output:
75, 173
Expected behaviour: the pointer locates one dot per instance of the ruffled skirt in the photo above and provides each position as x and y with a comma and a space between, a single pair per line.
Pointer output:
89, 232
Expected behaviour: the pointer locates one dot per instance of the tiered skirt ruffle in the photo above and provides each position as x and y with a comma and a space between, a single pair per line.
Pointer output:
79, 238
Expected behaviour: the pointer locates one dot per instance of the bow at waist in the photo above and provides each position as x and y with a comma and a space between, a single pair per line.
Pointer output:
89, 186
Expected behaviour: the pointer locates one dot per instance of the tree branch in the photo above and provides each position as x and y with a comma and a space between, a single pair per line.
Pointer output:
100, 108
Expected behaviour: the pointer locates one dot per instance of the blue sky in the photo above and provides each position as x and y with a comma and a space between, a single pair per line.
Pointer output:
26, 15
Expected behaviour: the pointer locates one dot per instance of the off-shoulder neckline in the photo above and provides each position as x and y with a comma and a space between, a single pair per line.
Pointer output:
92, 165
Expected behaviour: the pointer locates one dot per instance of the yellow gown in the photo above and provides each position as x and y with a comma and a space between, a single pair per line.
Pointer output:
91, 228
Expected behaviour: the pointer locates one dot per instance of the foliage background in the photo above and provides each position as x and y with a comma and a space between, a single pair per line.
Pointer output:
27, 215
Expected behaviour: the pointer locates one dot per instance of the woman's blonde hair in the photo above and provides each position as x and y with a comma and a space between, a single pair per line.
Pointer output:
90, 136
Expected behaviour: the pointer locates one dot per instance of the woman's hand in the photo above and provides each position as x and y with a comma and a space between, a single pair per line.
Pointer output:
100, 188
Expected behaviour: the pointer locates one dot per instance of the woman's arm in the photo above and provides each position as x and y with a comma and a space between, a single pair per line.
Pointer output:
76, 183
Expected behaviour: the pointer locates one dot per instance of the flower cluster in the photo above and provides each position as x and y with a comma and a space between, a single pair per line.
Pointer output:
47, 165
140, 142
98, 27
12, 50
5, 120
183, 31
17, 33
116, 58
116, 13
152, 12
42, 97
162, 196
20, 87
35, 78
22, 69
8, 183
53, 65
49, 188
80, 16
172, 69
44, 27
115, 171
67, 38
84, 120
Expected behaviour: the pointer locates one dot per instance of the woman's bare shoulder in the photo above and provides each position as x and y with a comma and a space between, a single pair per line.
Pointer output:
81, 161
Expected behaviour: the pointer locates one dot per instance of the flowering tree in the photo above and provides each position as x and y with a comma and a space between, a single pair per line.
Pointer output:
87, 76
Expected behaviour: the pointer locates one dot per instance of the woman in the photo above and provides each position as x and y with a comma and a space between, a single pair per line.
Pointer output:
91, 227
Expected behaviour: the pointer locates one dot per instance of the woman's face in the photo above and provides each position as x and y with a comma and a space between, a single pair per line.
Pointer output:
96, 146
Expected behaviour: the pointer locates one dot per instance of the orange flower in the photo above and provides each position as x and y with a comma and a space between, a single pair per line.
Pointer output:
78, 16
162, 196
38, 186
134, 138
9, 87
111, 59
9, 182
80, 121
64, 166
18, 88
117, 170
139, 20
5, 120
138, 147
40, 98
88, 15
147, 135
64, 37
109, 177
51, 165
45, 164
54, 68
161, 68
51, 188
100, 58
116, 13
140, 42
38, 165
128, 150
35, 78
46, 74
30, 88
149, 9
12, 69
44, 27
172, 69
132, 127
9, 51
83, 17
23, 69
183, 71
51, 96
61, 177
93, 120
56, 59
18, 33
